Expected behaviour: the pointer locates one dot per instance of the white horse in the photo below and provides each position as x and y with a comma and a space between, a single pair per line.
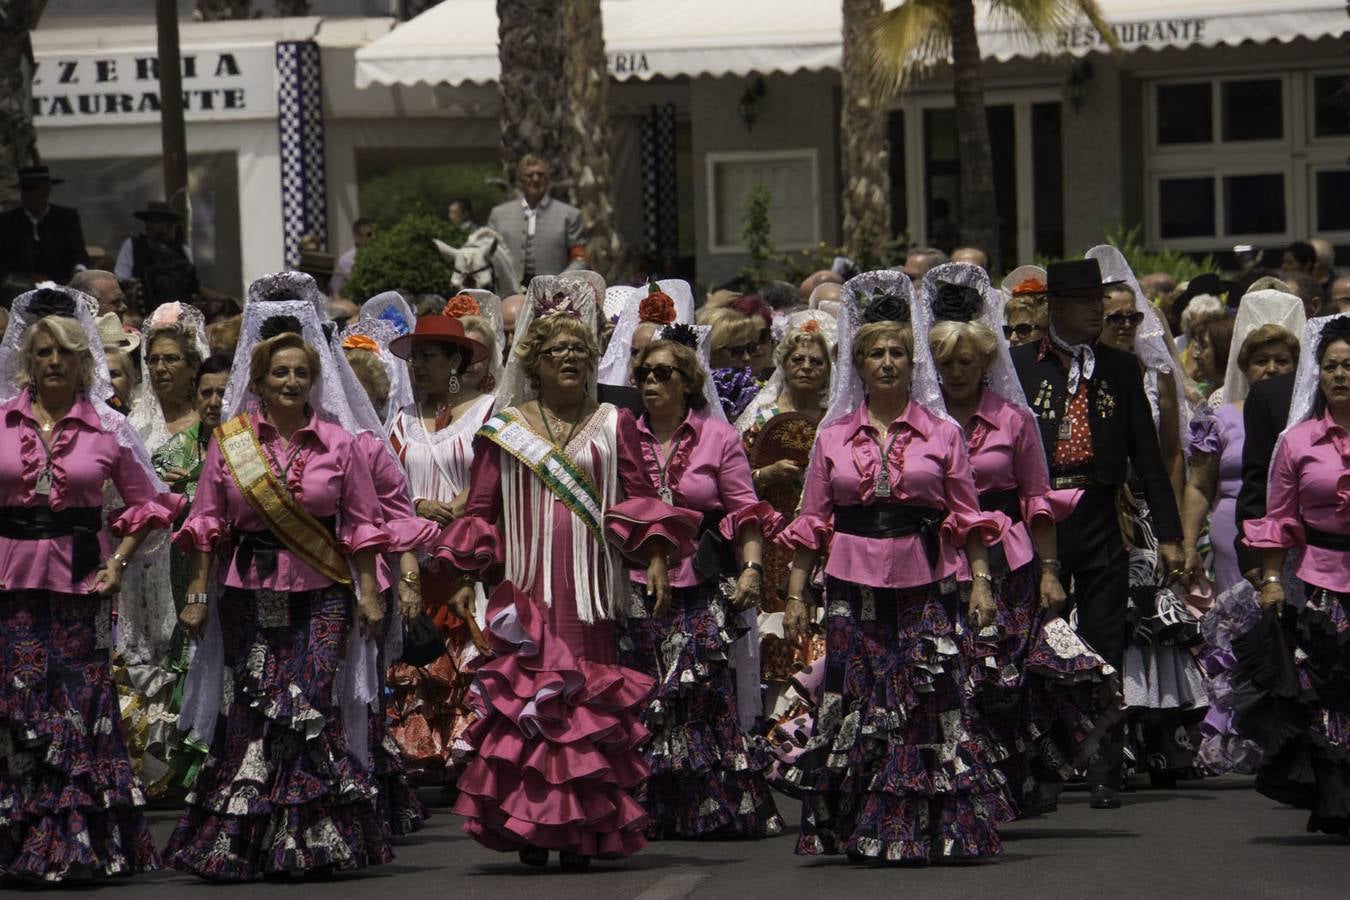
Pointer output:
483, 262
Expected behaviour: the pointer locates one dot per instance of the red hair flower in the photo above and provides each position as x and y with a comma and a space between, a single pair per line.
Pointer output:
810, 326
1030, 286
657, 308
360, 342
462, 305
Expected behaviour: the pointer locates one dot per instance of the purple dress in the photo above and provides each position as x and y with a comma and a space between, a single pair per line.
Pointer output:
1221, 433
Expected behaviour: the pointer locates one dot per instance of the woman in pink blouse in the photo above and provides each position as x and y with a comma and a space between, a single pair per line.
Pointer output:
893, 771
1308, 510
285, 499
64, 761
682, 470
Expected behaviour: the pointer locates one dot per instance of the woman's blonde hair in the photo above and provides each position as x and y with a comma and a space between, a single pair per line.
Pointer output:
1033, 305
729, 328
944, 337
541, 331
799, 338
686, 363
260, 362
1270, 333
868, 336
488, 333
370, 372
69, 336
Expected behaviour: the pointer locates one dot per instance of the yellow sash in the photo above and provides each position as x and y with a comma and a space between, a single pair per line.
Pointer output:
303, 535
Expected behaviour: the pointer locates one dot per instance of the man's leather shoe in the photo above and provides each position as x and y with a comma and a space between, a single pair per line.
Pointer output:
1104, 797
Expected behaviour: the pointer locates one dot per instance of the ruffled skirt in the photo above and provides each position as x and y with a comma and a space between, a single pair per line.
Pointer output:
1223, 749
894, 769
70, 804
281, 791
707, 776
558, 736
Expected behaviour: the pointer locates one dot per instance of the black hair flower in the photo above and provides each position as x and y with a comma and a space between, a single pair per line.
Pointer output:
884, 307
956, 302
681, 333
276, 325
51, 302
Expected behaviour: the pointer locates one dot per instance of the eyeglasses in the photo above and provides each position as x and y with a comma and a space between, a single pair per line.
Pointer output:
660, 373
168, 359
801, 360
1022, 329
563, 350
1120, 320
749, 349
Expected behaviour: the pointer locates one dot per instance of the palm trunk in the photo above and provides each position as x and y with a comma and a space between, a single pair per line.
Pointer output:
979, 207
588, 138
217, 10
534, 93
862, 139
18, 139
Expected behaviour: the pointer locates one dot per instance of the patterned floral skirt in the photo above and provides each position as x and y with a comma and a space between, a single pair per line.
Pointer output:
894, 770
396, 800
70, 805
707, 776
280, 792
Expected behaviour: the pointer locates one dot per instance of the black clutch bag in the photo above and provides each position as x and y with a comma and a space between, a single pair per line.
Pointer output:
422, 641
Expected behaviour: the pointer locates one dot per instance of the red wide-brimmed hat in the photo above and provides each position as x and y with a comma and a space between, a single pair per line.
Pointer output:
436, 329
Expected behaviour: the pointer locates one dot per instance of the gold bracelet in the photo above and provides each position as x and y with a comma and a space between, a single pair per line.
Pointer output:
791, 597
410, 578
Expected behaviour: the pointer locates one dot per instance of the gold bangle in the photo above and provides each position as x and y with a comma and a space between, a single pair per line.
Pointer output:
791, 597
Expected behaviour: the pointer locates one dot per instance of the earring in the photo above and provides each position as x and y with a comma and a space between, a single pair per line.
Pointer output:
488, 384
454, 384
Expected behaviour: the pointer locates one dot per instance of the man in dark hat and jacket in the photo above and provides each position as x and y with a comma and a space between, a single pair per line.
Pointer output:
158, 258
1096, 426
40, 241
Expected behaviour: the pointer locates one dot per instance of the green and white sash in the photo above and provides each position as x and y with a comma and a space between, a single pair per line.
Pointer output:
564, 478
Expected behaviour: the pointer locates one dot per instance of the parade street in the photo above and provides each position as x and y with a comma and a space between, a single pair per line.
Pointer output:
1213, 838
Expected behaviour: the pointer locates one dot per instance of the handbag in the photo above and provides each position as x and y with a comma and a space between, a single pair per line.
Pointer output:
422, 641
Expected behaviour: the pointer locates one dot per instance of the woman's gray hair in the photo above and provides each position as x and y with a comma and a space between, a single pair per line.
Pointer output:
68, 336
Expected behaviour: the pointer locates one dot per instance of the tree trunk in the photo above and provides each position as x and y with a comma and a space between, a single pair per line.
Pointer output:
18, 139
588, 137
534, 93
216, 10
862, 140
979, 206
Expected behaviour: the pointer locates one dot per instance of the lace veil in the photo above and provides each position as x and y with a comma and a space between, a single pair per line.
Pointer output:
704, 353
382, 331
147, 416
614, 363
548, 295
1306, 387
1257, 308
827, 325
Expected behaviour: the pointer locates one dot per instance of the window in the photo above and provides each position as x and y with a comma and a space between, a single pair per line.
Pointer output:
1186, 206
1253, 204
1331, 106
791, 179
1253, 110
1331, 194
1047, 161
1184, 113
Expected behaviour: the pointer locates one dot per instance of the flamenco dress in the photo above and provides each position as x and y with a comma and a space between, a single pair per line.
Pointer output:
707, 775
70, 802
558, 734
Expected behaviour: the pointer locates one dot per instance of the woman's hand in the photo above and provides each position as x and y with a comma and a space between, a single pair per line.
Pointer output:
748, 589
982, 611
1053, 597
109, 579
1272, 594
463, 601
1194, 566
193, 619
174, 475
785, 471
795, 621
409, 599
440, 513
370, 613
658, 584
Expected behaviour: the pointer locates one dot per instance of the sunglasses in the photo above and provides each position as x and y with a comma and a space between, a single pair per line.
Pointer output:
1120, 320
749, 349
1022, 330
661, 373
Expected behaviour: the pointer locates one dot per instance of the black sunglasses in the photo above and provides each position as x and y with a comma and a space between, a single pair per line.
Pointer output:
1116, 320
1022, 330
662, 373
744, 349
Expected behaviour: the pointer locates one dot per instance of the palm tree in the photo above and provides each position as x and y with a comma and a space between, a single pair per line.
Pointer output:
588, 146
216, 10
862, 138
18, 140
293, 7
534, 92
919, 34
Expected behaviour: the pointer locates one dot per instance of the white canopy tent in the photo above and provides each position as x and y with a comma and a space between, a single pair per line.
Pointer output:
456, 41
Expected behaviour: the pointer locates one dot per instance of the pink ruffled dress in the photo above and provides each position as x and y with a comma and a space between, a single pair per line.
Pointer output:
559, 734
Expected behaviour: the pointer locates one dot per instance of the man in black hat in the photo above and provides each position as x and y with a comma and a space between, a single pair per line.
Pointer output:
40, 241
158, 258
1096, 425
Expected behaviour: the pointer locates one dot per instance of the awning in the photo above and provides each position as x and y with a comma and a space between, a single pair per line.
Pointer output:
456, 40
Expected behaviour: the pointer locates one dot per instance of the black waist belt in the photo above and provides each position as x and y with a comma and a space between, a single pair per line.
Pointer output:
1008, 502
714, 556
38, 523
259, 549
892, 520
1326, 540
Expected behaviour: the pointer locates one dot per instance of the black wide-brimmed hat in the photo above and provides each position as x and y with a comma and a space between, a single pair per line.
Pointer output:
32, 176
1074, 276
158, 209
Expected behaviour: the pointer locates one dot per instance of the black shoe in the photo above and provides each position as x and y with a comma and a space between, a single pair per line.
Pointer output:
573, 862
534, 856
1104, 797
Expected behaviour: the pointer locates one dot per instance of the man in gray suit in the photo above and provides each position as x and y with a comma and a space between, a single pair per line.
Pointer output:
544, 234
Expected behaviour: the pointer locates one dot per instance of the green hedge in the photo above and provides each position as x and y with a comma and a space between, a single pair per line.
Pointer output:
403, 258
428, 190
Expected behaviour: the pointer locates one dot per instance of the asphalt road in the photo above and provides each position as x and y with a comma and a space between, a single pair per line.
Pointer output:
1215, 838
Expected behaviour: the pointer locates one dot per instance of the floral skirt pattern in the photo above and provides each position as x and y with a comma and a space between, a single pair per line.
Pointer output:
280, 792
894, 770
396, 800
707, 775
70, 804
1223, 749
